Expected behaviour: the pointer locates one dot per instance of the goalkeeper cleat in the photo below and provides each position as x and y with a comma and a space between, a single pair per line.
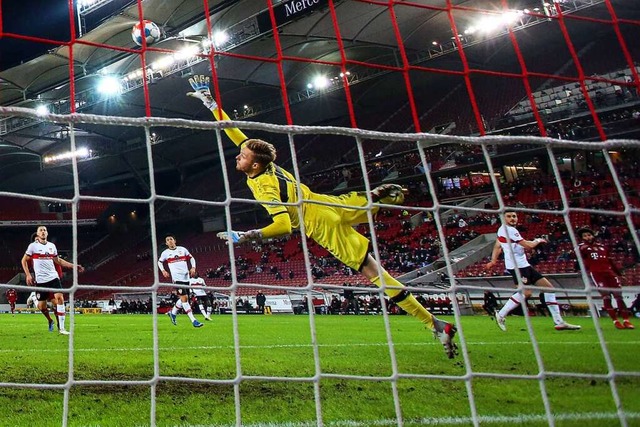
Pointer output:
628, 325
63, 332
172, 317
445, 336
389, 194
50, 325
564, 326
500, 321
197, 324
618, 325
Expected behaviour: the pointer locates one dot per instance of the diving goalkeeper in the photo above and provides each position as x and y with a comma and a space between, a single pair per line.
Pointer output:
330, 226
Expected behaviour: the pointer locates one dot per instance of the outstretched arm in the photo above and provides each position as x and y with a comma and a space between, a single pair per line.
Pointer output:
281, 226
63, 263
200, 85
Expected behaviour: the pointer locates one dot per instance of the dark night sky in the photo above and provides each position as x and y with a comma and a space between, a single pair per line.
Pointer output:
40, 18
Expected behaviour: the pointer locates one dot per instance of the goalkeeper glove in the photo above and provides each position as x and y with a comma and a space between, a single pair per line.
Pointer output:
200, 85
240, 237
389, 194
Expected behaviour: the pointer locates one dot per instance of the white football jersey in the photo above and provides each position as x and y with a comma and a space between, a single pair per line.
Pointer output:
511, 248
198, 282
43, 256
178, 260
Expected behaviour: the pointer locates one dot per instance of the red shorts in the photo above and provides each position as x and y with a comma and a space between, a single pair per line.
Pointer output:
605, 279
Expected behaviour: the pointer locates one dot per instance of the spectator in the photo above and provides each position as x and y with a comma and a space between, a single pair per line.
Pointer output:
260, 301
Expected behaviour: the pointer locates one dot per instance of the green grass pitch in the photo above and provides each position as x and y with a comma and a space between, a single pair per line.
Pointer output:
268, 380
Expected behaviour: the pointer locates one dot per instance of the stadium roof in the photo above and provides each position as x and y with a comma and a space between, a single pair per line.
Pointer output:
248, 73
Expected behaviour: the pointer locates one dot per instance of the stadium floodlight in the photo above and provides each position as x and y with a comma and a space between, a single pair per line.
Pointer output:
220, 38
511, 17
320, 82
163, 63
109, 86
42, 109
490, 24
187, 52
80, 153
495, 23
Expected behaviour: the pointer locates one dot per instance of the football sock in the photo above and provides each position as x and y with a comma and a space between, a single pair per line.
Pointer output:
405, 300
61, 315
187, 309
202, 310
176, 308
554, 308
512, 302
622, 307
606, 304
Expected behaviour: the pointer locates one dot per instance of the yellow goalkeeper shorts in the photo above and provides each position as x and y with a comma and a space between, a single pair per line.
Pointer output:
332, 226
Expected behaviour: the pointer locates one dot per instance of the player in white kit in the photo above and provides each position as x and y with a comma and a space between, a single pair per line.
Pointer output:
182, 266
44, 256
32, 301
513, 245
197, 285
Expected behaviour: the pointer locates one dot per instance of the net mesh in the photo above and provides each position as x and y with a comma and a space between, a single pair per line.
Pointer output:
474, 108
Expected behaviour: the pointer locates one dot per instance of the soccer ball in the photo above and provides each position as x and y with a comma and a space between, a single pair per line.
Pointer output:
147, 29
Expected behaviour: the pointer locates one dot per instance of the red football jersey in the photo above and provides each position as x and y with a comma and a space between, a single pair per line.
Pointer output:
596, 258
11, 295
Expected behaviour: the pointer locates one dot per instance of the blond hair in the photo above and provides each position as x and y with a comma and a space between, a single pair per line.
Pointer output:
263, 152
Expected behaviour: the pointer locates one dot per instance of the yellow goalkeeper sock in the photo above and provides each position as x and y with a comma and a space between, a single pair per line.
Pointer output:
405, 300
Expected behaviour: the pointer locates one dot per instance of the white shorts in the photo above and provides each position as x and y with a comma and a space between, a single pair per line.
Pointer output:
199, 292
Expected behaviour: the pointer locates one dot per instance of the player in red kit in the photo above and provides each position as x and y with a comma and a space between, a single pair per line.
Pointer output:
12, 296
604, 275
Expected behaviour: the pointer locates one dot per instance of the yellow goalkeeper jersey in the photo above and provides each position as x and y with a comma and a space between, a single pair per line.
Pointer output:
277, 185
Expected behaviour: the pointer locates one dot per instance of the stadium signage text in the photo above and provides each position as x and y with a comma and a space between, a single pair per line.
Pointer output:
296, 6
286, 12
